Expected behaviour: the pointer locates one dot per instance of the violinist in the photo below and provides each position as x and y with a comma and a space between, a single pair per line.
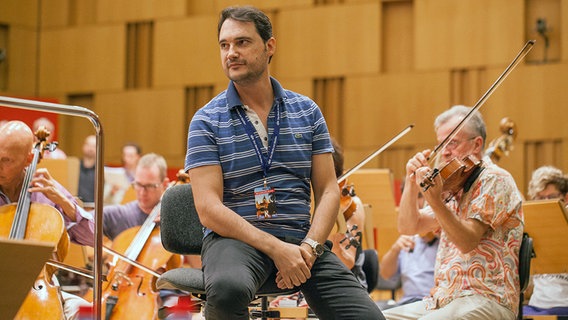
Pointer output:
16, 144
481, 229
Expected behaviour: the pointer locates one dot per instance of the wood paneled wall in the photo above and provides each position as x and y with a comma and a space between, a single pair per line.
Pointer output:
400, 63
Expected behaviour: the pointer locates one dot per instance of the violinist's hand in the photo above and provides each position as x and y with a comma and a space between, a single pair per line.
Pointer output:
44, 183
293, 263
418, 161
434, 192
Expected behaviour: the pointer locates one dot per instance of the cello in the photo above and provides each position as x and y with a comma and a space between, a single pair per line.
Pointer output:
130, 292
41, 222
501, 145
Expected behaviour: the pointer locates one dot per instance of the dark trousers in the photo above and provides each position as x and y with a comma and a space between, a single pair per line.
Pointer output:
234, 271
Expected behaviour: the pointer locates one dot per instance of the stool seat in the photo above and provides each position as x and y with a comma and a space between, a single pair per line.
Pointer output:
191, 280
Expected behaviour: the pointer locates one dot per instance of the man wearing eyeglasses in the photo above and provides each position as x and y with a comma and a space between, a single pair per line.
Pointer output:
481, 228
150, 182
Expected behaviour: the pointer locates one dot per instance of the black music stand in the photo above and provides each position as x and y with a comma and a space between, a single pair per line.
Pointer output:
21, 264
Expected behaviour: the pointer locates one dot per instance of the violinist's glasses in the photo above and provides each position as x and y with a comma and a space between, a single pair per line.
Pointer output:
146, 187
455, 143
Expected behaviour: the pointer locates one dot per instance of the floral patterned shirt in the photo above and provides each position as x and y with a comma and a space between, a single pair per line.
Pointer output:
491, 269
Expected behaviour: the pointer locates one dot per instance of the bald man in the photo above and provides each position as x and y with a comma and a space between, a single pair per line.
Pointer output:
16, 144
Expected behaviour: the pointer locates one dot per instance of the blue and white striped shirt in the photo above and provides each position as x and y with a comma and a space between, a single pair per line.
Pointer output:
217, 137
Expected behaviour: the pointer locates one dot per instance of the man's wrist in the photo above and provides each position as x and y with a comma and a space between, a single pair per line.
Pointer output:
316, 247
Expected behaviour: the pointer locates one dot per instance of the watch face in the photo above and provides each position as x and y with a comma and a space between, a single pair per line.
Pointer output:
318, 249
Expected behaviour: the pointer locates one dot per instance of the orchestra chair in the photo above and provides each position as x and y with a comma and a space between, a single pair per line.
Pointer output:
182, 233
371, 268
389, 285
526, 253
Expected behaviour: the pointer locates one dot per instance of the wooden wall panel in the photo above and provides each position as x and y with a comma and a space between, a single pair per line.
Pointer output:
68, 13
378, 108
564, 31
335, 40
21, 13
382, 106
303, 86
55, 13
187, 52
549, 12
397, 37
133, 10
457, 34
534, 97
21, 59
263, 4
74, 130
151, 118
82, 59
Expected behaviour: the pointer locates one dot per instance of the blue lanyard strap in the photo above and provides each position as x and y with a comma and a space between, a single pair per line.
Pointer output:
264, 159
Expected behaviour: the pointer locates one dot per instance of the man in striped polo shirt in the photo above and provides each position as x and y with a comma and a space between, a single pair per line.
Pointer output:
253, 154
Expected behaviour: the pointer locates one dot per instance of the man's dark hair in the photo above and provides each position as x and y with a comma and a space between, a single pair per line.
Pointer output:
248, 14
337, 157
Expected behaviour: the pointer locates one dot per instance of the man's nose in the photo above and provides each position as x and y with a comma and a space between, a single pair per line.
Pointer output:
232, 53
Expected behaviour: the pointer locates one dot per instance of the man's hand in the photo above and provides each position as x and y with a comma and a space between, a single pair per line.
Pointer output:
404, 242
44, 183
293, 263
419, 160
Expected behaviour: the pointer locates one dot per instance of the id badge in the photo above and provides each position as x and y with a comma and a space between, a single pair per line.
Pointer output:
265, 200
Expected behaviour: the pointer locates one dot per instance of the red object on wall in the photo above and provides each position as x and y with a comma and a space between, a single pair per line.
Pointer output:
29, 116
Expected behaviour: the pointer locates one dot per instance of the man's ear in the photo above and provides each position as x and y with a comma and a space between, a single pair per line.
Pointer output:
478, 141
30, 158
271, 46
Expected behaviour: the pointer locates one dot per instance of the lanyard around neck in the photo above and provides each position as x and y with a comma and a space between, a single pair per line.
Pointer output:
265, 159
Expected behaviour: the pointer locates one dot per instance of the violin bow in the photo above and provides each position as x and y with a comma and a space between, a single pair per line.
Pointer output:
374, 154
524, 51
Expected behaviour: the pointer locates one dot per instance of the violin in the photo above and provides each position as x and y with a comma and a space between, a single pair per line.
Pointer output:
349, 225
41, 222
458, 174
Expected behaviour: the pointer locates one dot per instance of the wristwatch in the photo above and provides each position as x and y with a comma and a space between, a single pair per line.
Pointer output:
317, 248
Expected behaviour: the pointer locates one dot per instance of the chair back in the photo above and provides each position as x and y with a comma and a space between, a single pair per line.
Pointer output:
181, 230
526, 253
371, 268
